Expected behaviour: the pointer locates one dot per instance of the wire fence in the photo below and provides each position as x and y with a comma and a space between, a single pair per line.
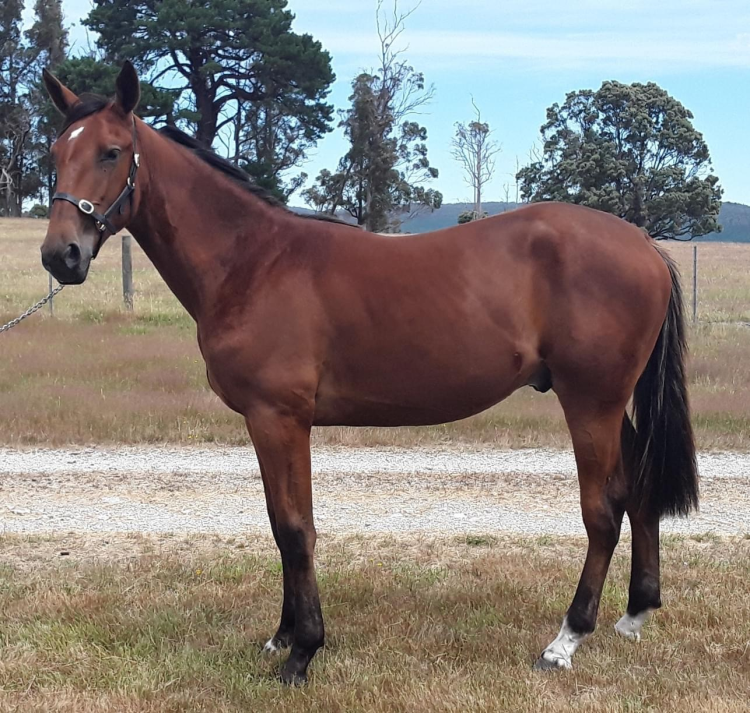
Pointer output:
692, 283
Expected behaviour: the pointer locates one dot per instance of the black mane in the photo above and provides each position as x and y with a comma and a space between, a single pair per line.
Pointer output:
93, 103
208, 156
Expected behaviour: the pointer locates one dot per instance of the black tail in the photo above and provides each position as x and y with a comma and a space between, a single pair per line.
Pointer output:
666, 473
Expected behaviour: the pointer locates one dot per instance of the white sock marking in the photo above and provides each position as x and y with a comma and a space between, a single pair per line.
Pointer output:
270, 647
75, 134
630, 626
560, 651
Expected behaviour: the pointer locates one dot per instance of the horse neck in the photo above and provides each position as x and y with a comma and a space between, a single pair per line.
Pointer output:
195, 225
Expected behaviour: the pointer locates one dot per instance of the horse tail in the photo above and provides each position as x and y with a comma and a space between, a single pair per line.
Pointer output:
663, 447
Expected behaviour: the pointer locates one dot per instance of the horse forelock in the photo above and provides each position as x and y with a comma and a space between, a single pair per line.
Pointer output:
86, 105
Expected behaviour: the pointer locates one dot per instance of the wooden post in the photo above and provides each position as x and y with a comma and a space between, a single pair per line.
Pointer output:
695, 284
52, 299
127, 272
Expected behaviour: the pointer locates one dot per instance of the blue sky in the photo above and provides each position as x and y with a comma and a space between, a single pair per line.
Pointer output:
516, 59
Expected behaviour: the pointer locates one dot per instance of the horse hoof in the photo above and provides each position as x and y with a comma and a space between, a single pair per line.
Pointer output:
556, 664
627, 633
629, 627
290, 678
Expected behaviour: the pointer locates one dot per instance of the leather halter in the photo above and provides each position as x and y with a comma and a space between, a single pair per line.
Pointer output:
102, 220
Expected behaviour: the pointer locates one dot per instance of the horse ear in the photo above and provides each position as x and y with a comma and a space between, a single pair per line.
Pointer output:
128, 88
61, 96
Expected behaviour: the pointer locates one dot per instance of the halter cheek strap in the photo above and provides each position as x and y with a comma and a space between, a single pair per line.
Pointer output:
102, 220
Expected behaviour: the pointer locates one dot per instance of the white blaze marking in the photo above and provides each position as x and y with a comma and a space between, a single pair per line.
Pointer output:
560, 651
75, 134
630, 626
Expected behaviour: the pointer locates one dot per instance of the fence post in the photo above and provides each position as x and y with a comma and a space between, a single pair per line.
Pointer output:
127, 272
695, 284
51, 299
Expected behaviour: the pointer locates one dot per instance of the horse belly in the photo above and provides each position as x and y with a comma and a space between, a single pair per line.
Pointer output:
418, 391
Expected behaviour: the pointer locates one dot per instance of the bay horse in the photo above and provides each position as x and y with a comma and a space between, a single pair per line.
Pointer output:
308, 323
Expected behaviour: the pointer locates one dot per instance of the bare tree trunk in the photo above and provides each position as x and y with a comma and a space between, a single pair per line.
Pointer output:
16, 205
237, 133
478, 206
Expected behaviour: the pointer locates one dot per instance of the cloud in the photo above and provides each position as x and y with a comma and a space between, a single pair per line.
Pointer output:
558, 51
678, 35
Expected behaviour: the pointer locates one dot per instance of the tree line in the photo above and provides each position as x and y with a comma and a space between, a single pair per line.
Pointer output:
26, 132
237, 75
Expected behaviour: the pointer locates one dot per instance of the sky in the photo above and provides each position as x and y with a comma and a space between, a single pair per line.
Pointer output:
516, 59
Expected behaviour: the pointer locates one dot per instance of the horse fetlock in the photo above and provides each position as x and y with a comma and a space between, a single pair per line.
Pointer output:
559, 654
645, 595
275, 645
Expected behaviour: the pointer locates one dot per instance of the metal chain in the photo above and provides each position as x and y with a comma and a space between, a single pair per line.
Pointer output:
31, 310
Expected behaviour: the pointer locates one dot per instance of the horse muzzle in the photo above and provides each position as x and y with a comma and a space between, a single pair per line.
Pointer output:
68, 264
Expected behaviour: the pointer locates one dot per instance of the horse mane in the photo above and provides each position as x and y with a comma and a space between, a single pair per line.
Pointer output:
92, 103
221, 164
237, 175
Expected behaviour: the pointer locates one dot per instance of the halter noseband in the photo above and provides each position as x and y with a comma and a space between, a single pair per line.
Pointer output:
102, 220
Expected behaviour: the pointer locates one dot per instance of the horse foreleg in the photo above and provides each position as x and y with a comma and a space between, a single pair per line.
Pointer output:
282, 443
282, 639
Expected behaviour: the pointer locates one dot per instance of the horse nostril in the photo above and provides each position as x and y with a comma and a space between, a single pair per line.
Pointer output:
72, 256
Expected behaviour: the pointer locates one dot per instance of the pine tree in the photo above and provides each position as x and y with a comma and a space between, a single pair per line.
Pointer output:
48, 41
631, 150
239, 68
15, 116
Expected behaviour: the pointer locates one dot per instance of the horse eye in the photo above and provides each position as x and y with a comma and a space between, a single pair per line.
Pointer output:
111, 155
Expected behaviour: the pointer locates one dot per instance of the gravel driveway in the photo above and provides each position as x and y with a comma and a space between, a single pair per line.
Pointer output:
218, 490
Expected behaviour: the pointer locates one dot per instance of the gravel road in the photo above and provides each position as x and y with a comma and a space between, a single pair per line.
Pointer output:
431, 491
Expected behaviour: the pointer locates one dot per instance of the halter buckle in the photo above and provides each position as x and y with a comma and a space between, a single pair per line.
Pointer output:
85, 206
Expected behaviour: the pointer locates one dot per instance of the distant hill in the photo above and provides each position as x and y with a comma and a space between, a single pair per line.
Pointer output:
447, 215
734, 219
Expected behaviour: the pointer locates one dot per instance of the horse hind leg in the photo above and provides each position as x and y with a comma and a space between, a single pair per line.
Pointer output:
644, 593
595, 429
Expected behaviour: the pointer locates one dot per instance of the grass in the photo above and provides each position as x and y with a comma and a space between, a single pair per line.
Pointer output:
96, 374
438, 625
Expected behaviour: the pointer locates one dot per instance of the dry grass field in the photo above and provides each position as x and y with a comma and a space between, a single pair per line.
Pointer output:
430, 625
97, 374
137, 624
